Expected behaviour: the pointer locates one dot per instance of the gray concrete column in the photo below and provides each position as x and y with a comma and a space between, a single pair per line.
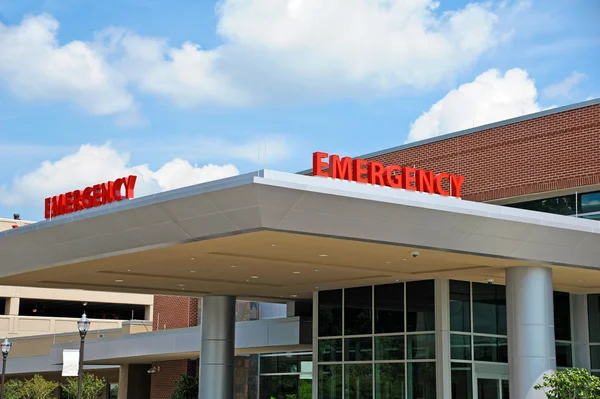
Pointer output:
530, 317
580, 331
442, 339
218, 347
123, 381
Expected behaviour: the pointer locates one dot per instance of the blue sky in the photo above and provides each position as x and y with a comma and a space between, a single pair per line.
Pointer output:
163, 89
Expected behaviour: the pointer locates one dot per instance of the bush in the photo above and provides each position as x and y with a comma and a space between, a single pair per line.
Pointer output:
571, 383
38, 388
186, 387
14, 389
91, 386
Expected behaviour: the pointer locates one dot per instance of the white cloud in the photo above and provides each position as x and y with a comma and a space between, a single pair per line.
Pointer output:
565, 87
95, 164
273, 50
491, 97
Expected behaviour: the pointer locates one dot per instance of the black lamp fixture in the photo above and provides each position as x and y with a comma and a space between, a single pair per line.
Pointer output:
83, 325
6, 346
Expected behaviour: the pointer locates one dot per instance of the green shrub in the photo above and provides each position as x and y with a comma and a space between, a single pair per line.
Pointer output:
186, 387
91, 386
571, 383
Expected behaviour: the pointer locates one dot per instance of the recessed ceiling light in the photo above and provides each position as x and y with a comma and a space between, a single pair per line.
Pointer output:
192, 271
317, 288
272, 245
397, 280
192, 258
581, 281
181, 285
404, 259
253, 276
388, 262
128, 270
316, 270
323, 255
233, 266
293, 295
296, 272
247, 279
118, 281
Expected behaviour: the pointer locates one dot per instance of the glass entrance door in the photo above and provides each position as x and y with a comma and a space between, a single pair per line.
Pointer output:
492, 388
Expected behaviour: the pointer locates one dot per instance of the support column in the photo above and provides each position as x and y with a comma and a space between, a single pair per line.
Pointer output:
580, 331
218, 347
123, 381
530, 317
442, 339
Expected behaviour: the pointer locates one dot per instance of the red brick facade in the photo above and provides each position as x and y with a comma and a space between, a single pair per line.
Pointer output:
552, 152
163, 382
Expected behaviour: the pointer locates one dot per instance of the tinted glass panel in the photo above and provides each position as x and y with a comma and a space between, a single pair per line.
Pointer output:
562, 316
357, 310
594, 317
330, 350
389, 308
279, 386
590, 202
359, 381
488, 389
462, 381
489, 309
389, 348
595, 357
421, 346
73, 309
490, 349
358, 349
460, 347
460, 307
505, 389
564, 357
389, 381
420, 306
330, 313
330, 381
421, 380
558, 205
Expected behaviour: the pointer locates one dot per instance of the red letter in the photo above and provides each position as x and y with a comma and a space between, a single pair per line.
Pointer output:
393, 179
425, 181
107, 192
69, 208
408, 177
129, 185
375, 173
58, 205
97, 195
340, 169
87, 197
47, 205
319, 164
77, 205
359, 170
438, 184
117, 190
456, 183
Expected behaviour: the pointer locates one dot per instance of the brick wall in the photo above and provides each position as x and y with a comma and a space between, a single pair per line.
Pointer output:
552, 152
162, 384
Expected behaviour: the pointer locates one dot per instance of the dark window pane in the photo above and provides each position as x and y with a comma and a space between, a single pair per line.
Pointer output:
488, 388
74, 309
505, 389
358, 349
490, 349
359, 381
389, 381
595, 357
389, 308
420, 306
330, 381
460, 347
357, 310
462, 381
330, 313
460, 306
562, 316
330, 350
489, 309
564, 205
279, 387
389, 348
590, 202
268, 364
421, 380
564, 357
420, 346
594, 317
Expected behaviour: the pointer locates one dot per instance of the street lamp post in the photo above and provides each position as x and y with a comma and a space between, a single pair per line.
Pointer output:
6, 345
83, 325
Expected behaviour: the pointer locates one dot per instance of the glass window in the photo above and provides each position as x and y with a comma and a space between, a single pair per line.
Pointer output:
358, 349
564, 356
462, 381
590, 202
420, 306
460, 306
359, 381
279, 386
562, 316
595, 356
564, 205
490, 349
330, 381
489, 309
389, 308
421, 346
594, 317
389, 381
357, 310
330, 350
389, 348
421, 380
460, 347
330, 313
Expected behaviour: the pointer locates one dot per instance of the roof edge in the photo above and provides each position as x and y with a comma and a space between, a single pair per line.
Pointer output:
522, 118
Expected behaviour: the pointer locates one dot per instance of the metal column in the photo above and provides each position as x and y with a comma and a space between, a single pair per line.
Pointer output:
580, 331
530, 317
442, 339
218, 347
